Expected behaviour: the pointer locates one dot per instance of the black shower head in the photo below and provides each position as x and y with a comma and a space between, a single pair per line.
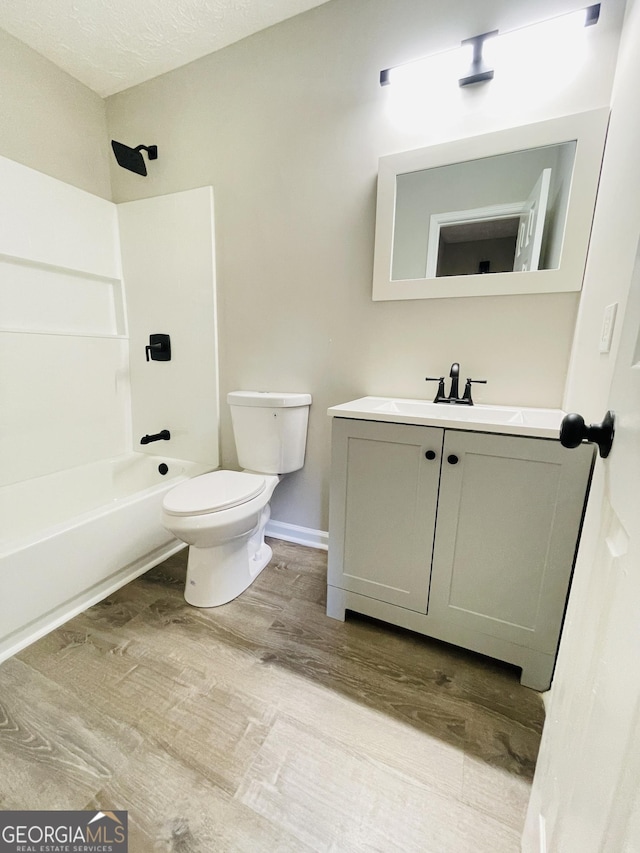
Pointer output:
131, 158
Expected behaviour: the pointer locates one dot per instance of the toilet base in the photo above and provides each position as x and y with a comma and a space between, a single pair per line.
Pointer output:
219, 574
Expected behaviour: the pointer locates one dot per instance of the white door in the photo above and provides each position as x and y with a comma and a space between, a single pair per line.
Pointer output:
602, 811
586, 791
531, 228
586, 795
615, 717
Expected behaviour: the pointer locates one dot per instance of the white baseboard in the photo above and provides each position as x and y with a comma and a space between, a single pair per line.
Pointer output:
300, 535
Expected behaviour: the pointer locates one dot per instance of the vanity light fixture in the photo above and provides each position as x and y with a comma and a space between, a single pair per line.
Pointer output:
480, 71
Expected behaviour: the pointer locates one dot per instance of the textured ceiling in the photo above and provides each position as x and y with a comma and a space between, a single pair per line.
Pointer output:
110, 45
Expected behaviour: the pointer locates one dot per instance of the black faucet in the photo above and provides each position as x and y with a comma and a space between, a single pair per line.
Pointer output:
163, 435
454, 373
454, 393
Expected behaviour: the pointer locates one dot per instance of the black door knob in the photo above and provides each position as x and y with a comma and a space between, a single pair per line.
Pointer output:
573, 431
452, 459
430, 454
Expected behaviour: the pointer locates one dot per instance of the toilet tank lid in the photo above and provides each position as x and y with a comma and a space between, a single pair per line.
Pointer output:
269, 399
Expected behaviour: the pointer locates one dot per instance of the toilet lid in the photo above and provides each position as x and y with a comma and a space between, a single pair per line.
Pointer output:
213, 492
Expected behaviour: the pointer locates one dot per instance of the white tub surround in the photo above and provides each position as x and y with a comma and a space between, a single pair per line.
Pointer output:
63, 334
79, 512
89, 530
168, 262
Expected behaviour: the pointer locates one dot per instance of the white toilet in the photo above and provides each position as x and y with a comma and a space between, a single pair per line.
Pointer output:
222, 515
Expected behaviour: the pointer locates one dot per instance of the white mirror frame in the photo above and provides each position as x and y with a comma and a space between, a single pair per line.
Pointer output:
588, 129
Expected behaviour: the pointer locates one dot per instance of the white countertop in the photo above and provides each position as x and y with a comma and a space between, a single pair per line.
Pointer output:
508, 420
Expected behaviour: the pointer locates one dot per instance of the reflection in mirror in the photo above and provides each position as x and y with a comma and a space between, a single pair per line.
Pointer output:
478, 246
498, 214
501, 213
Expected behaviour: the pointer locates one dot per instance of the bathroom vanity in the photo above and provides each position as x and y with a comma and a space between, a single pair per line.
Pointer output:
460, 523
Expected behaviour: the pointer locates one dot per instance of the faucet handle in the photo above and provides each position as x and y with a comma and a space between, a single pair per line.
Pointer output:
440, 395
158, 348
467, 389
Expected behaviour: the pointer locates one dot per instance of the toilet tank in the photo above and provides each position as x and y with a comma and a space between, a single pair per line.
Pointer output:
270, 429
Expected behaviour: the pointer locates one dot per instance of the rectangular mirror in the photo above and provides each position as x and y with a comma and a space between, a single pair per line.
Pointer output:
502, 213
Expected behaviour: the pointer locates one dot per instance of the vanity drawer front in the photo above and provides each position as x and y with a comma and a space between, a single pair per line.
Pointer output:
384, 492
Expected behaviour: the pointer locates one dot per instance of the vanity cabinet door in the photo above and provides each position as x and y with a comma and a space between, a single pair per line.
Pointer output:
384, 490
509, 517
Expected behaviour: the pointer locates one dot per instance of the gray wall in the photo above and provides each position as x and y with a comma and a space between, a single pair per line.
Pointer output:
51, 122
287, 126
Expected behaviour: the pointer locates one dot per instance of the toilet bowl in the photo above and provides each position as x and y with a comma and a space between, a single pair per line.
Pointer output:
222, 515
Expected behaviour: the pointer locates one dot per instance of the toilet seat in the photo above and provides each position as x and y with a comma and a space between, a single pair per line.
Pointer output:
213, 492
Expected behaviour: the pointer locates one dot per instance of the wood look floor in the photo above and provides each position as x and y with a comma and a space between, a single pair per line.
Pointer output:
263, 725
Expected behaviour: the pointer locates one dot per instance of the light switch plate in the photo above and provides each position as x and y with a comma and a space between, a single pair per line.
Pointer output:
608, 323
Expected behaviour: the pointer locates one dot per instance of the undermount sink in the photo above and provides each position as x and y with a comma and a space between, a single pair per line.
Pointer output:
513, 420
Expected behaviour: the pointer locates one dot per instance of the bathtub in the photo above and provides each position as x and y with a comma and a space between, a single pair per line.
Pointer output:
71, 538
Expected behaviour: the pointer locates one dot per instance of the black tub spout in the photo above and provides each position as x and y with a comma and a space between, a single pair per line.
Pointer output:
163, 435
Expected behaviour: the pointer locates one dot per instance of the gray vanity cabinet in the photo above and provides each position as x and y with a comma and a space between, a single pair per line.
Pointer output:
465, 536
384, 495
